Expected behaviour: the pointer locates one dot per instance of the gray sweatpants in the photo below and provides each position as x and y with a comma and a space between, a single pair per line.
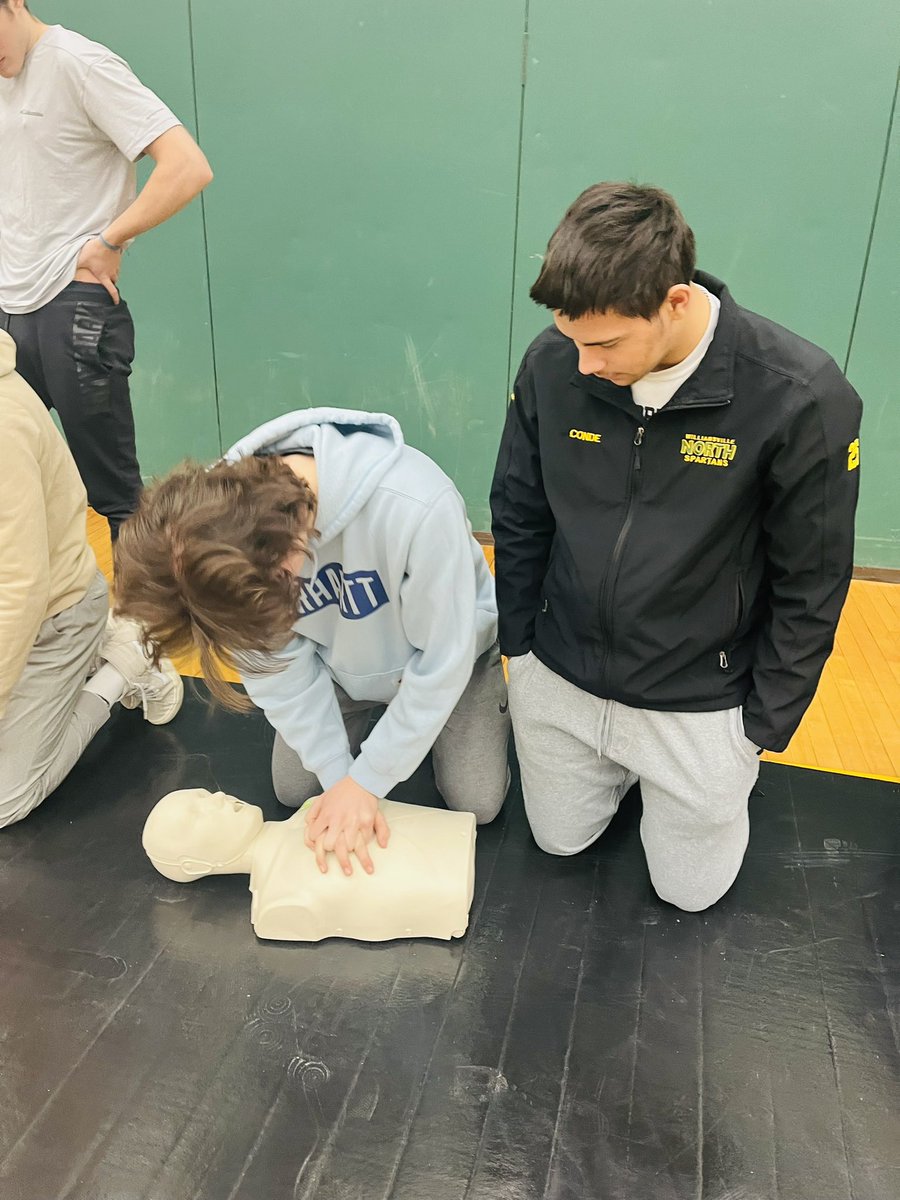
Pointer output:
579, 755
49, 719
469, 756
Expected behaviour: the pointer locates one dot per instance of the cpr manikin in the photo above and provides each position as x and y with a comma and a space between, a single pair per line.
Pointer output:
422, 884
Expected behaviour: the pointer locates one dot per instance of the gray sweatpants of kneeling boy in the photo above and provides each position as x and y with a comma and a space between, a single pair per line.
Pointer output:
580, 754
469, 756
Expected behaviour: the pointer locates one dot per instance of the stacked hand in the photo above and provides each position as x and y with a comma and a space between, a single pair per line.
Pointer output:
345, 819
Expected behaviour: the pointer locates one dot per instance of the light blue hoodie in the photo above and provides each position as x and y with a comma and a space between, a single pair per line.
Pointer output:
397, 604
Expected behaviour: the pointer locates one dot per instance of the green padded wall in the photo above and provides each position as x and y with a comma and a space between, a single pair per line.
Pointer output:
874, 369
164, 275
766, 121
378, 214
361, 233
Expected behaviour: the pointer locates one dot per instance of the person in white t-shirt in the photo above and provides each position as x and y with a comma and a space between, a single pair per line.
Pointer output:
74, 120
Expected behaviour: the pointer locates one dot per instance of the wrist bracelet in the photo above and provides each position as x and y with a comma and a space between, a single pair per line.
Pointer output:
109, 245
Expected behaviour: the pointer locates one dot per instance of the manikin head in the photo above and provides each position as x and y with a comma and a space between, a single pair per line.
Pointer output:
192, 833
617, 276
210, 563
19, 31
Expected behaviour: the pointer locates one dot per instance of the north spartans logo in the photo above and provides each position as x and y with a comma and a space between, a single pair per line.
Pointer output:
708, 451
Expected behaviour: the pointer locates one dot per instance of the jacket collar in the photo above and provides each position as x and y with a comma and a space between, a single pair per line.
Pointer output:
712, 382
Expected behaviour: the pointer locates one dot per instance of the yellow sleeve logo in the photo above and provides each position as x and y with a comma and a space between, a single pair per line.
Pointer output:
853, 455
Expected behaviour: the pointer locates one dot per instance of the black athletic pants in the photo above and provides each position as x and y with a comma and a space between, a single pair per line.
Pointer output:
76, 352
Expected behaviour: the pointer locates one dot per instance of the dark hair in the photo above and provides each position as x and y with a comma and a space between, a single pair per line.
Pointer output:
200, 565
619, 248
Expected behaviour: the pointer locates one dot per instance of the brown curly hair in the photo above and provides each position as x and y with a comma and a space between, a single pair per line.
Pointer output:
201, 565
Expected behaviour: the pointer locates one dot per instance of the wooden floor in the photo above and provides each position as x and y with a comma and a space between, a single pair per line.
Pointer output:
583, 1041
852, 726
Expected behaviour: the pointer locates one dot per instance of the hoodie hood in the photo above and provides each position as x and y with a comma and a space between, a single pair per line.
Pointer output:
353, 452
7, 353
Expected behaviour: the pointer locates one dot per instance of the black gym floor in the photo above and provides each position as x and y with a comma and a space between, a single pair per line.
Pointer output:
583, 1041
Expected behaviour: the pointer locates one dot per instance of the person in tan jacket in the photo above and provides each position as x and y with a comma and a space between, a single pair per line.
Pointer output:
63, 661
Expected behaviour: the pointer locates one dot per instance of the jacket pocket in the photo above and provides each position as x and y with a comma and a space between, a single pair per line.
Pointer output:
736, 615
735, 610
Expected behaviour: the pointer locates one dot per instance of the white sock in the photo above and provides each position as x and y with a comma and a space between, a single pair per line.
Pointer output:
108, 684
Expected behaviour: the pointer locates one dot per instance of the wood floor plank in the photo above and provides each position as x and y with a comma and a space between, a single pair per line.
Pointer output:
863, 689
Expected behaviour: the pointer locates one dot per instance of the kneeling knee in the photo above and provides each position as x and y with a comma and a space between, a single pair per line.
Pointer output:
483, 813
690, 899
554, 846
284, 785
489, 803
289, 797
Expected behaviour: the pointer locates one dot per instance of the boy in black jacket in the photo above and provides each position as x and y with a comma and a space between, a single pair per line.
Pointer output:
673, 514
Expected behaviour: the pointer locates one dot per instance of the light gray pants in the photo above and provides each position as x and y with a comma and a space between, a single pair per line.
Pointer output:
49, 719
579, 755
469, 756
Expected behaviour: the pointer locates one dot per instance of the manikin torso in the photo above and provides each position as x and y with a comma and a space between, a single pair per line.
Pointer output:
422, 885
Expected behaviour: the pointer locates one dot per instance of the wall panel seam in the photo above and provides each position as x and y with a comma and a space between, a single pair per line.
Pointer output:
212, 328
878, 191
515, 245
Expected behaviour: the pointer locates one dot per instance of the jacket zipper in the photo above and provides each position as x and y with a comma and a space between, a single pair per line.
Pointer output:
606, 605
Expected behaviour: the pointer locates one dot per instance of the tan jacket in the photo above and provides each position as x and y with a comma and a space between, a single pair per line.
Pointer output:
46, 563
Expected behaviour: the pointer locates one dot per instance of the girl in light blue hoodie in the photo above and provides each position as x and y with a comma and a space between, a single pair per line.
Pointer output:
393, 608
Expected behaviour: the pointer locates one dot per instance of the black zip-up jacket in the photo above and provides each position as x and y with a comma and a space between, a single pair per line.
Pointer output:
691, 559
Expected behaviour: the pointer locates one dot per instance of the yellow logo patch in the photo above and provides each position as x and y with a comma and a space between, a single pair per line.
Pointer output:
582, 435
707, 450
853, 455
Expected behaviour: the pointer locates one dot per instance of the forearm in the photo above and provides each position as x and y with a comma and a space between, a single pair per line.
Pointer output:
791, 653
25, 559
438, 606
523, 524
300, 703
172, 184
520, 565
21, 613
810, 491
408, 728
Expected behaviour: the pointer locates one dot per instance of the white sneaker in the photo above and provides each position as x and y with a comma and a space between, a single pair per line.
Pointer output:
159, 692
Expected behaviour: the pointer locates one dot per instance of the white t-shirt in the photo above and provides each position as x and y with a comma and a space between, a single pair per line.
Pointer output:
72, 124
658, 388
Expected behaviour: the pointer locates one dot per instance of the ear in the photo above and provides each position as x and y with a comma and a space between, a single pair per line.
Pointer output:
178, 872
196, 868
677, 300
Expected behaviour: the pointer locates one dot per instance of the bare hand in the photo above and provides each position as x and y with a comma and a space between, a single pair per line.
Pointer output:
102, 263
344, 820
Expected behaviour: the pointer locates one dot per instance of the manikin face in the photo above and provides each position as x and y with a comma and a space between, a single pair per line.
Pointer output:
17, 35
201, 831
625, 349
220, 823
